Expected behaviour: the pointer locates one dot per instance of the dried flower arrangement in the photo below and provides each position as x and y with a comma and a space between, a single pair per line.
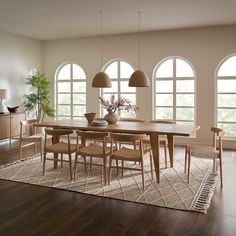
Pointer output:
122, 103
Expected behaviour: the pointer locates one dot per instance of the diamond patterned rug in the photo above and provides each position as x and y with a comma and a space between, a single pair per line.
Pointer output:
173, 191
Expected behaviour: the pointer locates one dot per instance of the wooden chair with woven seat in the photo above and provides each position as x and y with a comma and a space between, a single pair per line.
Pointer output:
28, 136
208, 152
92, 149
128, 154
162, 138
58, 147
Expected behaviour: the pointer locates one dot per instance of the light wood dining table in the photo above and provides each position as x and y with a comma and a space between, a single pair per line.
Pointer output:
152, 129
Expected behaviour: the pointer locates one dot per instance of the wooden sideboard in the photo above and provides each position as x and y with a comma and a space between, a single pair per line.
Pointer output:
10, 124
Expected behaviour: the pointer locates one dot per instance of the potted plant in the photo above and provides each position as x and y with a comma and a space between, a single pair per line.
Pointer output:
38, 99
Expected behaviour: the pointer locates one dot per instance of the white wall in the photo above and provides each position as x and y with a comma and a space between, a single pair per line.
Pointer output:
203, 47
18, 55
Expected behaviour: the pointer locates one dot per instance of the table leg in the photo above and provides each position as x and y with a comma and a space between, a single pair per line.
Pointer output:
55, 139
154, 139
170, 139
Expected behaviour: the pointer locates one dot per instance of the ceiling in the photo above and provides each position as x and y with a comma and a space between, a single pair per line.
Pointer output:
62, 19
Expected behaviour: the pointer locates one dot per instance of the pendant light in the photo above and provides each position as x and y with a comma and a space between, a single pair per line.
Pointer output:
101, 79
139, 77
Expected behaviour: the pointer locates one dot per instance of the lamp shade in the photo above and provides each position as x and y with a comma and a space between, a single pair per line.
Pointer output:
3, 93
101, 80
139, 79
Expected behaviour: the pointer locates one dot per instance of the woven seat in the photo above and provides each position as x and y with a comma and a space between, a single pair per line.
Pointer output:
209, 152
88, 149
58, 147
127, 154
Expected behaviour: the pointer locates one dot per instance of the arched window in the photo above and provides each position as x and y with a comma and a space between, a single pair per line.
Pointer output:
119, 72
174, 91
226, 96
70, 92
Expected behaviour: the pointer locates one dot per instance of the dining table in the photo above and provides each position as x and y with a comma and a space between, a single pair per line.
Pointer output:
154, 130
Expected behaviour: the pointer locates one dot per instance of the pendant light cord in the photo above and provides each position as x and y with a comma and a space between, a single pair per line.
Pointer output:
139, 13
101, 38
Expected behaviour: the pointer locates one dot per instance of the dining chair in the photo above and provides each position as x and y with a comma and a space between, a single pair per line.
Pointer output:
162, 138
208, 152
29, 136
127, 154
90, 148
59, 147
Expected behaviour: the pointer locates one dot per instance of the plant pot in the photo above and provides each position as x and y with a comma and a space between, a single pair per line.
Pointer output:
111, 117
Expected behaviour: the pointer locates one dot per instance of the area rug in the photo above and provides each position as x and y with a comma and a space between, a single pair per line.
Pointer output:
173, 191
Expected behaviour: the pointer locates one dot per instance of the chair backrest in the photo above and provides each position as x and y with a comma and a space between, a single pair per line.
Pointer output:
91, 135
162, 121
27, 123
132, 120
217, 133
56, 133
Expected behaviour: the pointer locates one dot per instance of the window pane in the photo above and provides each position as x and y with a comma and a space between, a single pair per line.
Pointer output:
228, 68
226, 115
184, 114
185, 100
79, 87
112, 70
165, 69
164, 86
126, 114
113, 89
225, 100
63, 110
185, 86
183, 69
184, 122
79, 110
78, 72
164, 99
64, 99
79, 98
125, 70
64, 73
108, 96
230, 129
124, 87
63, 87
226, 86
131, 97
164, 113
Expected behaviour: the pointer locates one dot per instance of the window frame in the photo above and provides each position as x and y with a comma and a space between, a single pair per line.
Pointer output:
118, 80
71, 80
174, 92
217, 78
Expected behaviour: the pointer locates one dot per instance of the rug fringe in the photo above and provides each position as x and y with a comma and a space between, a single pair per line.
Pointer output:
204, 199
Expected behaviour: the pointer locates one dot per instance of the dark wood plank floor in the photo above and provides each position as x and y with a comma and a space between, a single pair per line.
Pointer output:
33, 210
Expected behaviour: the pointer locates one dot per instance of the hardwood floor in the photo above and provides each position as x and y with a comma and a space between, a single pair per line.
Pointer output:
33, 210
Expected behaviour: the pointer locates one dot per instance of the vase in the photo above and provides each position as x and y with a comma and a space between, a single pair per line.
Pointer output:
111, 117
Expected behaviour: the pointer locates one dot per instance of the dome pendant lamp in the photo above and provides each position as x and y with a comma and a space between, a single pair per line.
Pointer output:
139, 77
101, 79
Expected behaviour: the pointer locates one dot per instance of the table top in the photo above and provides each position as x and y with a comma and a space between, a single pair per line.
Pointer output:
126, 127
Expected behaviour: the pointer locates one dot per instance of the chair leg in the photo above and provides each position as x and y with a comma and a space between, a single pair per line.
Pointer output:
214, 165
44, 162
85, 163
165, 153
189, 163
151, 165
122, 170
41, 150
142, 174
75, 168
90, 164
117, 169
61, 160
70, 162
20, 151
35, 147
109, 172
221, 172
105, 169
186, 159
